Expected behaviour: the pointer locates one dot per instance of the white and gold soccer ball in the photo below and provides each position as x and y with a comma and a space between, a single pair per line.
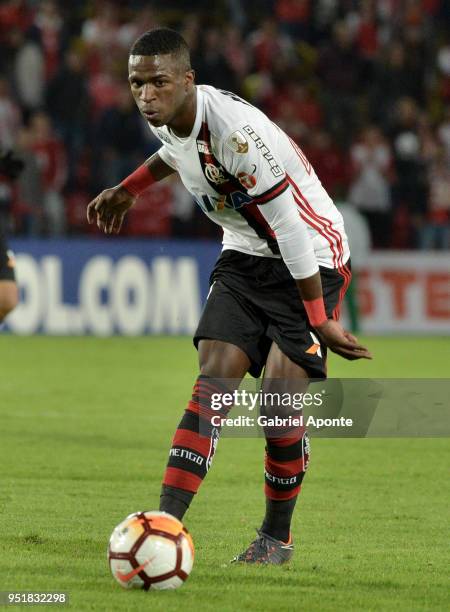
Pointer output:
150, 550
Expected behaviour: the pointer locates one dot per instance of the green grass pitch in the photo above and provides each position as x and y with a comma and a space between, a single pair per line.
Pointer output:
86, 425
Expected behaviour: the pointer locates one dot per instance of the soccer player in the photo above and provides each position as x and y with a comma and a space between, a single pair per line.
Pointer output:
276, 288
10, 167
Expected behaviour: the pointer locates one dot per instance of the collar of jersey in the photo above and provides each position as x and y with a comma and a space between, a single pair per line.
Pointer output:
188, 141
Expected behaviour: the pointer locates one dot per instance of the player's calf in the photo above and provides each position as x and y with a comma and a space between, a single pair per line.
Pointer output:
193, 448
222, 365
286, 461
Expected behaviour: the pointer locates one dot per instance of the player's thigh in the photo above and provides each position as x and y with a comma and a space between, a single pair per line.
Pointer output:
230, 334
279, 365
219, 359
9, 297
283, 378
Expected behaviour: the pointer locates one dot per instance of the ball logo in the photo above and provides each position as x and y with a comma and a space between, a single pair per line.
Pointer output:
214, 174
130, 575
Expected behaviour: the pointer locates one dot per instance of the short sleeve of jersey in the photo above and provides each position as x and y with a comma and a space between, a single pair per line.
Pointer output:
250, 153
166, 157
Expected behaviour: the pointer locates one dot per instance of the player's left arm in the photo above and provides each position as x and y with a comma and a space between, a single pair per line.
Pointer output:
254, 161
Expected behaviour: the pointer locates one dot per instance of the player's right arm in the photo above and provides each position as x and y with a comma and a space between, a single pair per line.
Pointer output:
298, 254
250, 154
109, 208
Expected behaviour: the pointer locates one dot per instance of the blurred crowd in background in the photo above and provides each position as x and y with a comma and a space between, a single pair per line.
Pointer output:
363, 86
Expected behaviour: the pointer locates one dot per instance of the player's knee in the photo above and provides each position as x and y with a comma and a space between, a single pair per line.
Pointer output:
222, 360
280, 366
9, 299
215, 368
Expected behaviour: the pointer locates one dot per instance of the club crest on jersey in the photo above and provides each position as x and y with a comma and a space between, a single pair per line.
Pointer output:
214, 174
163, 136
246, 180
237, 142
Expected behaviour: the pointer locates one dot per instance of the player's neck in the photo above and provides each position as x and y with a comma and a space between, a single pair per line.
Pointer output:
183, 123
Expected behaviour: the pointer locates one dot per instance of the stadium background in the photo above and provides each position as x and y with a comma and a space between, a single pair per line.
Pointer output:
364, 88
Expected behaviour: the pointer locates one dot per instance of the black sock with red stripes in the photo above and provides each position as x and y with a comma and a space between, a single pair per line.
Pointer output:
285, 465
193, 448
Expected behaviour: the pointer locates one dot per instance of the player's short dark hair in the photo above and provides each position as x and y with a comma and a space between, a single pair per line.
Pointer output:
163, 41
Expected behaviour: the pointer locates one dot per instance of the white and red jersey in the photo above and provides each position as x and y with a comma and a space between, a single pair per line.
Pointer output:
235, 162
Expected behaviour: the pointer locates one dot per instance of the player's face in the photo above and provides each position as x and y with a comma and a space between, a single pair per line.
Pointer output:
159, 86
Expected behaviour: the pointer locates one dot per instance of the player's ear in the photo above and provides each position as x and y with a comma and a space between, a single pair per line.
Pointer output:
189, 78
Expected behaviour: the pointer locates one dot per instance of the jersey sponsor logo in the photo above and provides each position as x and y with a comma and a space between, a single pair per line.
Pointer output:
264, 150
247, 180
315, 348
163, 136
215, 174
237, 142
234, 200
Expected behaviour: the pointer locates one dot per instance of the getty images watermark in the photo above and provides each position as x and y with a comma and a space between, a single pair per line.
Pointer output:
332, 408
275, 403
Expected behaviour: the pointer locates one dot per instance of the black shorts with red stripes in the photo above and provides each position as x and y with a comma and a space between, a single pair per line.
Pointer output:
6, 261
254, 301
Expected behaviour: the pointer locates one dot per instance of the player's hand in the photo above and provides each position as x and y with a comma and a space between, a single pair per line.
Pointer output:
341, 342
109, 208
